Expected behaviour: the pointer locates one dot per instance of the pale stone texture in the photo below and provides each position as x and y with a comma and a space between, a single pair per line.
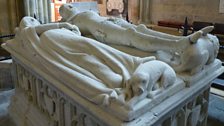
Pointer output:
50, 88
108, 68
177, 51
59, 74
54, 104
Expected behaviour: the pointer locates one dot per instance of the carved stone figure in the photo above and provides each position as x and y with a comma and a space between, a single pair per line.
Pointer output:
117, 31
31, 22
145, 82
144, 78
99, 69
63, 78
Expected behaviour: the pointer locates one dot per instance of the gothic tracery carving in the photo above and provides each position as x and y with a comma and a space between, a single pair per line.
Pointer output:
115, 4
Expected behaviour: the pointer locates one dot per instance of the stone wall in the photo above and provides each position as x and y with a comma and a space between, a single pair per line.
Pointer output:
177, 10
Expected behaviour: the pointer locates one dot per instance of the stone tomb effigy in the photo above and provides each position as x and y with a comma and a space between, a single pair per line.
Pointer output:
65, 79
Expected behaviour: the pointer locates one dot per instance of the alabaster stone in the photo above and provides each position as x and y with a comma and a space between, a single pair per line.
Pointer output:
200, 47
63, 78
148, 81
103, 71
33, 106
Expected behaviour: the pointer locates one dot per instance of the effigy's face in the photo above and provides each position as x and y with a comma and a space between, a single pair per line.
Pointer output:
29, 22
68, 10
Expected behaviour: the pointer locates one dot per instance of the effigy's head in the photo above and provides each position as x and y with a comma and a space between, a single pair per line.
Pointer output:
139, 83
28, 22
67, 11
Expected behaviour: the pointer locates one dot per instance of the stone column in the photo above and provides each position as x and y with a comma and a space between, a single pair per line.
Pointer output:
40, 10
49, 10
45, 11
144, 11
32, 8
27, 7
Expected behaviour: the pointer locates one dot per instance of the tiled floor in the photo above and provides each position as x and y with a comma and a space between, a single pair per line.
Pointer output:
216, 110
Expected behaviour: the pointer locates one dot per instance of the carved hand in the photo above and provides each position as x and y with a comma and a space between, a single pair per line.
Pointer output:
71, 27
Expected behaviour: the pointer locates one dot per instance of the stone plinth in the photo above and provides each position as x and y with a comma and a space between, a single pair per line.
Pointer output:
65, 79
38, 101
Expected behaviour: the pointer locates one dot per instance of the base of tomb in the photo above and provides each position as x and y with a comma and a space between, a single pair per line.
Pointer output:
180, 109
40, 103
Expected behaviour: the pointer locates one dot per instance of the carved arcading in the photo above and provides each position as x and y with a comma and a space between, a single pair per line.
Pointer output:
115, 4
194, 113
63, 112
51, 101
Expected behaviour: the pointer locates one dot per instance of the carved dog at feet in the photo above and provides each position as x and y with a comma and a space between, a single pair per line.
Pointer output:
148, 80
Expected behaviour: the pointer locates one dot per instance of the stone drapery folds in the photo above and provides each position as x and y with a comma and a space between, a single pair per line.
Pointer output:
96, 71
184, 53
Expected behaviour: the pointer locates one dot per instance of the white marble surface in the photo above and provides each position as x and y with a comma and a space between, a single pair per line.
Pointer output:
55, 66
102, 71
5, 120
184, 53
